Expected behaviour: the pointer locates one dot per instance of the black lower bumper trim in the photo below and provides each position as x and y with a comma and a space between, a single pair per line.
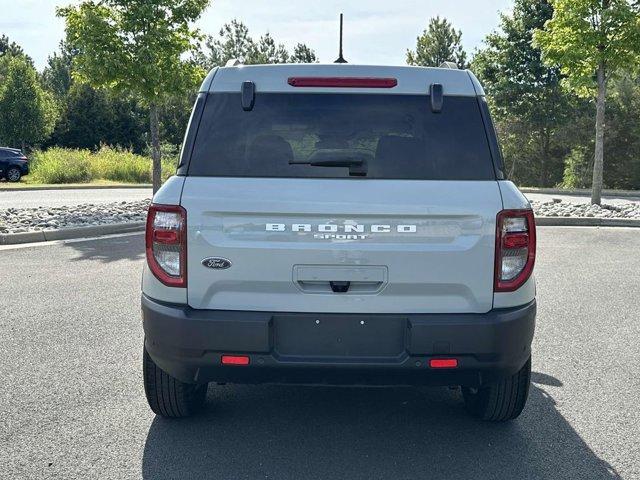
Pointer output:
322, 348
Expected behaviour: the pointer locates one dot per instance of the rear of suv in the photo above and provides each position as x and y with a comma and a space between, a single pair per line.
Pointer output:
339, 224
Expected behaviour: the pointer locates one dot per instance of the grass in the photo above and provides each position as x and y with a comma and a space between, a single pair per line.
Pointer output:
29, 183
106, 166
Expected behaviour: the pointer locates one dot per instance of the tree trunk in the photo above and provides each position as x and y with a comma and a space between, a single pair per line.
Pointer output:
598, 163
155, 147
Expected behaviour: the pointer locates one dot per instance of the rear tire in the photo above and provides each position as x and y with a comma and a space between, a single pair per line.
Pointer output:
13, 174
168, 396
502, 400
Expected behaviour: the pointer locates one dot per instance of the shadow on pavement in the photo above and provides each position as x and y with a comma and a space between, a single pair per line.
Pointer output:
283, 432
111, 249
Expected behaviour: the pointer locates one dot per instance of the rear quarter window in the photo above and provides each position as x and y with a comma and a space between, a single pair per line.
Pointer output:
298, 135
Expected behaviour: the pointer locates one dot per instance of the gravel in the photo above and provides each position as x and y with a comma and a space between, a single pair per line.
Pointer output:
17, 220
558, 208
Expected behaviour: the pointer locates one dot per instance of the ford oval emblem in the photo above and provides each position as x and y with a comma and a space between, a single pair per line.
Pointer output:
217, 263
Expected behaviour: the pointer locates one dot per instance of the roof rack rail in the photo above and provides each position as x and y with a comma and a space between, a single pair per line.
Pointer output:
234, 62
451, 65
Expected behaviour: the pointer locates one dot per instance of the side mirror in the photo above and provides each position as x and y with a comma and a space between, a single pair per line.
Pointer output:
437, 97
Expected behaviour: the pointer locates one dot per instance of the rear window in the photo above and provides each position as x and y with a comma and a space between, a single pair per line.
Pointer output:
341, 136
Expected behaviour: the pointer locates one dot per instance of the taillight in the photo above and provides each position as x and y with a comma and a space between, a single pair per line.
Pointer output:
515, 249
166, 242
343, 82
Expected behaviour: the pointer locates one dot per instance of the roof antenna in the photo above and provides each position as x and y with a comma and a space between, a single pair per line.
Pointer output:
340, 58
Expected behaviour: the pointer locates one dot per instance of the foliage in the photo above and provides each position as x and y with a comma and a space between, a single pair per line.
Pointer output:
59, 165
303, 54
622, 143
583, 34
27, 112
137, 46
234, 41
577, 168
91, 117
9, 50
440, 42
587, 37
56, 76
528, 104
62, 165
266, 51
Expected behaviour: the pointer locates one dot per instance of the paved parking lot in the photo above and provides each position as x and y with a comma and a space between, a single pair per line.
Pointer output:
72, 403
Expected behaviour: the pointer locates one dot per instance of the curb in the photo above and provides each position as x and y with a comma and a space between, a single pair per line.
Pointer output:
69, 233
579, 192
75, 187
586, 222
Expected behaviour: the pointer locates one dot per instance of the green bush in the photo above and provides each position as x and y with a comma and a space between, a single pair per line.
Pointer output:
63, 165
578, 167
120, 166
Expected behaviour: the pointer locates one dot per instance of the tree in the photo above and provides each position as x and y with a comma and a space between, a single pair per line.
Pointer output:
529, 105
440, 42
56, 76
27, 112
592, 38
137, 46
9, 50
303, 54
234, 41
266, 51
85, 119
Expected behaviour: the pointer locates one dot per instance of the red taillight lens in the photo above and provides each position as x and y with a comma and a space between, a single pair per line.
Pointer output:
166, 244
515, 249
343, 82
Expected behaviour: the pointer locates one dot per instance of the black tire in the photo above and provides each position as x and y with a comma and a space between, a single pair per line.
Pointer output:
13, 174
502, 400
168, 396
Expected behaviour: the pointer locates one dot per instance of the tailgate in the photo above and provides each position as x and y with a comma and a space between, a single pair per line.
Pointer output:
340, 246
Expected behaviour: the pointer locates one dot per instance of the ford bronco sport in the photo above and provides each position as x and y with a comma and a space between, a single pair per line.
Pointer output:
339, 224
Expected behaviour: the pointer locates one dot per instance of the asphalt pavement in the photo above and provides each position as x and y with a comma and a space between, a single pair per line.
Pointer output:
69, 197
72, 404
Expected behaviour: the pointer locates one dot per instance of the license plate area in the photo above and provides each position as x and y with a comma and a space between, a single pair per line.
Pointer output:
339, 336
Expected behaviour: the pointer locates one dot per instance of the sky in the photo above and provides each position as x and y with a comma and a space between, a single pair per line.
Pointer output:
375, 31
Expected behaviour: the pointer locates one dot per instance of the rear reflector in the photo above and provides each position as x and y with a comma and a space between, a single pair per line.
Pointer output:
443, 363
235, 360
343, 82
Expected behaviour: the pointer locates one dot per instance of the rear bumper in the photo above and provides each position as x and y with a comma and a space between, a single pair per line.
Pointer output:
337, 348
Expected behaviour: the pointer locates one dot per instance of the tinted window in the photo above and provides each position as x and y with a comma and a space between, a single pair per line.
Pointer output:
342, 135
9, 153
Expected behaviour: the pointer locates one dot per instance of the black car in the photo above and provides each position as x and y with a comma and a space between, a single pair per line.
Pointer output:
13, 164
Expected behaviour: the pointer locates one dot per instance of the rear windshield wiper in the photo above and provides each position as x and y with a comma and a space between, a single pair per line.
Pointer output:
356, 160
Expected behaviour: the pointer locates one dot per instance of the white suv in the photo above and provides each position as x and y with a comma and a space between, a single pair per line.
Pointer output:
340, 224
